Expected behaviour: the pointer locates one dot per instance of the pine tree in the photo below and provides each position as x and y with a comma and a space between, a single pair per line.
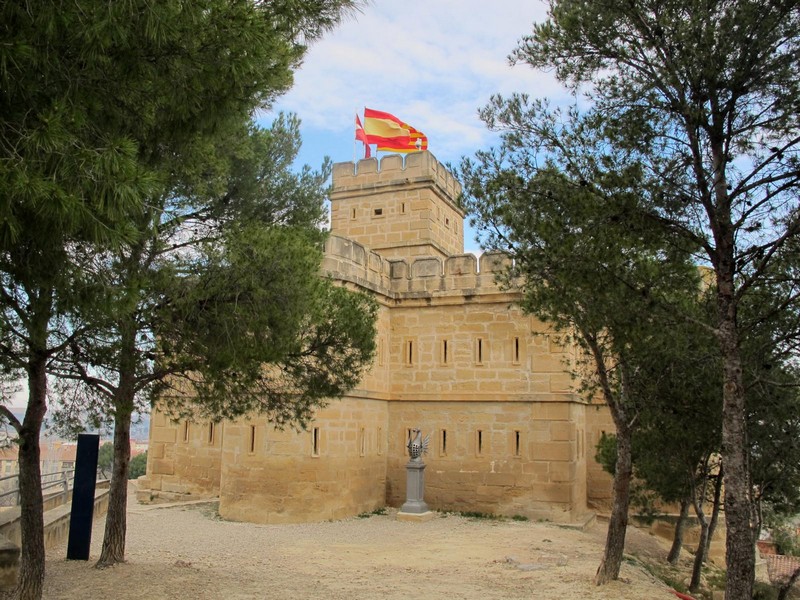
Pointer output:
95, 98
702, 94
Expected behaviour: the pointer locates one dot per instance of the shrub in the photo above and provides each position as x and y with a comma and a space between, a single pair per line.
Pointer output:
137, 466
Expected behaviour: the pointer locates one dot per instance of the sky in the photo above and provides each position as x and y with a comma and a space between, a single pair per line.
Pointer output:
432, 63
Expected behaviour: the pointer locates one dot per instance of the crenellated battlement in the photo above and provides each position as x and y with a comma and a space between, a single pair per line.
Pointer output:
391, 170
461, 274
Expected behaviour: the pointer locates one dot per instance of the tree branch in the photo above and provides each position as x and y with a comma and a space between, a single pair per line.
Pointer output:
11, 418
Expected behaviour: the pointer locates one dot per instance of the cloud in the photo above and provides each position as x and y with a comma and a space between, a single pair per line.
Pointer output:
433, 64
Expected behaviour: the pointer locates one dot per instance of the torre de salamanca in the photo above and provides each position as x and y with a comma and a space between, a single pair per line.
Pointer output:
455, 357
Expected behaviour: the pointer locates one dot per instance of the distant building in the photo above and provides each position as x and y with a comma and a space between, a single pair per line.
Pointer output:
54, 456
9, 462
456, 357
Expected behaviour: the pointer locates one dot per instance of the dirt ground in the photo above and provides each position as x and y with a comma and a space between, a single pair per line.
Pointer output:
186, 552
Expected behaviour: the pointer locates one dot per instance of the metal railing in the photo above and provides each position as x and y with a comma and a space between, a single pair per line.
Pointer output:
56, 479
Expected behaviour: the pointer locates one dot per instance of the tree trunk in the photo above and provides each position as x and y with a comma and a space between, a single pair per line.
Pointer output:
32, 556
677, 539
783, 592
758, 511
715, 510
618, 524
700, 554
739, 544
113, 551
31, 561
611, 562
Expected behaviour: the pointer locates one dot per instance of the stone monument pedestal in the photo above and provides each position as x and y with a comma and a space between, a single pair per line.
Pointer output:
416, 517
415, 508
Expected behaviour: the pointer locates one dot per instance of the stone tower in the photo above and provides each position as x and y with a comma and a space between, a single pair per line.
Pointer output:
456, 357
400, 210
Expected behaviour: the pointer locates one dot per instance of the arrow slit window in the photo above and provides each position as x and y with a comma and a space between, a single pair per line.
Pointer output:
315, 441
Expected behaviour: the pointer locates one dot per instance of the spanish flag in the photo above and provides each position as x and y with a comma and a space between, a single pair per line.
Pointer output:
391, 134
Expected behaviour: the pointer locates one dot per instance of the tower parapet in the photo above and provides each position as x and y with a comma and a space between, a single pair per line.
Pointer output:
463, 274
399, 209
392, 170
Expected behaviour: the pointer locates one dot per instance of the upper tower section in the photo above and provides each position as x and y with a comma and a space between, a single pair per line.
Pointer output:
398, 210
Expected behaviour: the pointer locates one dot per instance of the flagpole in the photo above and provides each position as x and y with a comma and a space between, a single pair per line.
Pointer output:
366, 146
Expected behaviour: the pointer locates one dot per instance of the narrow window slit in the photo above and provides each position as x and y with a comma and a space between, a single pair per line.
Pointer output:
315, 441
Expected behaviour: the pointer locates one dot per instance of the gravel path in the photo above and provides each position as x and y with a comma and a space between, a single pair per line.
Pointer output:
187, 552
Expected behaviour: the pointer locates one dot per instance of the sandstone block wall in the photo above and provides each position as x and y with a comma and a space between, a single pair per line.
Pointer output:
334, 470
462, 275
507, 458
482, 349
184, 457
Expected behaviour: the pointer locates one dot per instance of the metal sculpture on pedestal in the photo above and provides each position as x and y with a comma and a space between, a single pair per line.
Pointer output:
415, 473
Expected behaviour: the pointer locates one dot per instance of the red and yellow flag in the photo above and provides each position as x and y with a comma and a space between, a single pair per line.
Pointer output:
362, 137
391, 134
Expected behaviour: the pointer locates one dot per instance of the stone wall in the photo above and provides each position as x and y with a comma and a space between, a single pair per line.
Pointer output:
508, 458
482, 349
454, 354
183, 458
335, 469
376, 383
461, 274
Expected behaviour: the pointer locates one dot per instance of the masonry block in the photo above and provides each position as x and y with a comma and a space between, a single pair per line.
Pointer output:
163, 434
561, 431
554, 451
163, 467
